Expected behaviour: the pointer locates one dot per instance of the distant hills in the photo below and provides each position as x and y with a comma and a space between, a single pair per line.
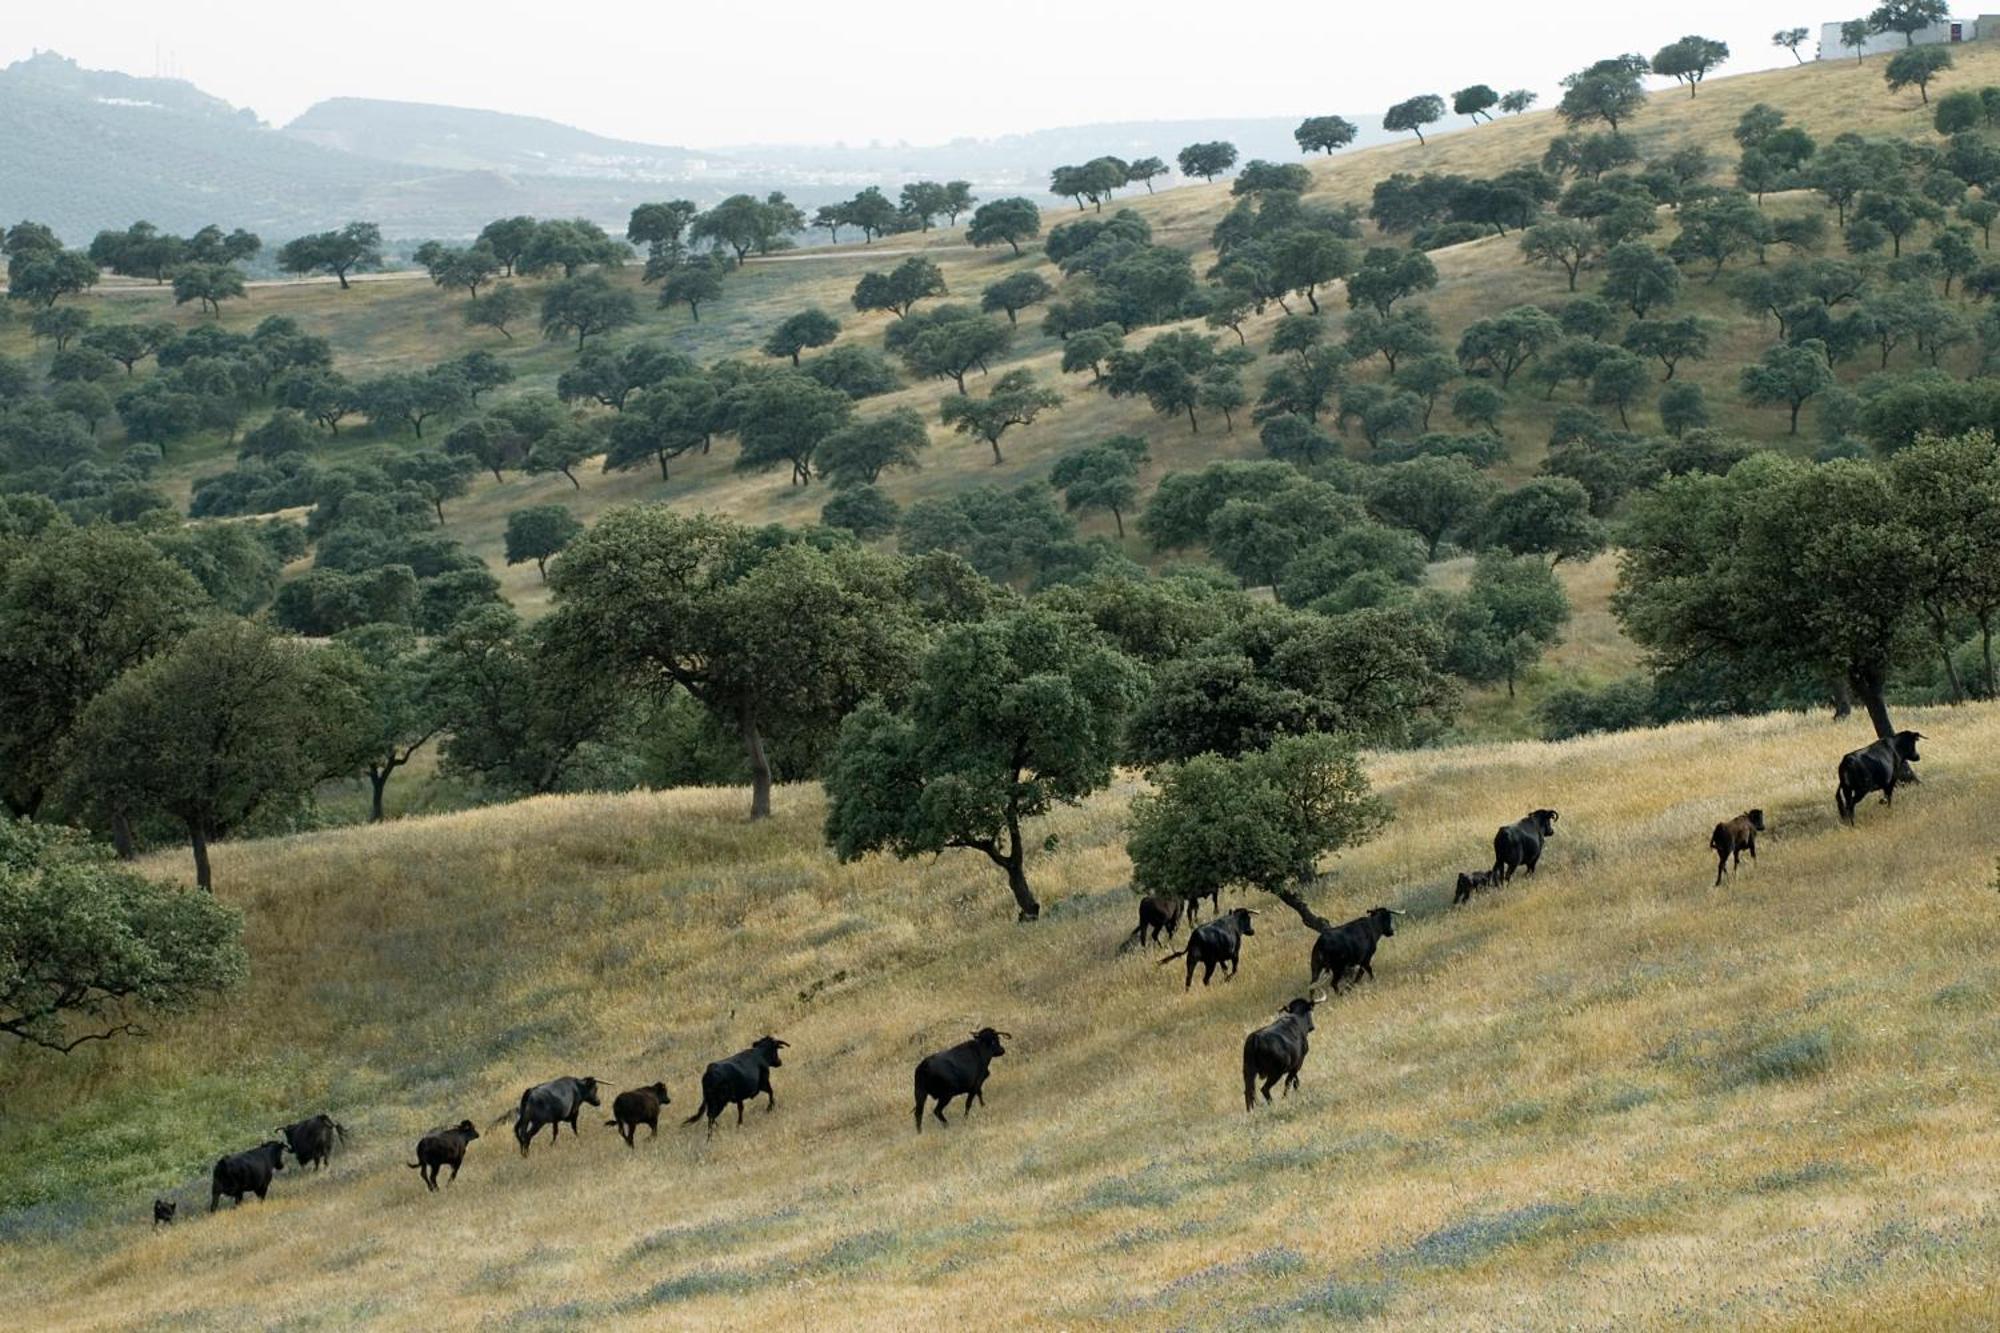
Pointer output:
1022, 161
86, 149
452, 138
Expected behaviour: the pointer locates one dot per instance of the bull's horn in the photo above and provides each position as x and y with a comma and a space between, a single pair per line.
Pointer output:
1253, 911
1008, 1035
1395, 911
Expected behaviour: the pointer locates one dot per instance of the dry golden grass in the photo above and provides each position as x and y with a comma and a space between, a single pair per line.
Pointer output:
1609, 1097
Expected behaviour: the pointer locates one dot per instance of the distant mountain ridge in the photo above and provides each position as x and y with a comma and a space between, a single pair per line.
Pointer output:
455, 138
83, 150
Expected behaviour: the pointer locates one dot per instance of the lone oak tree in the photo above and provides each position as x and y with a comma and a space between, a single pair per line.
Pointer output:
1782, 569
1009, 717
1414, 113
228, 721
770, 634
1262, 820
78, 608
358, 245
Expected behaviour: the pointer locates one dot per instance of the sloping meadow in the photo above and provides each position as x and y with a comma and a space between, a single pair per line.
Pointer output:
1608, 1096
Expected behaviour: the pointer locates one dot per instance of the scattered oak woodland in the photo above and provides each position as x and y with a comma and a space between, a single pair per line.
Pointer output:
1224, 537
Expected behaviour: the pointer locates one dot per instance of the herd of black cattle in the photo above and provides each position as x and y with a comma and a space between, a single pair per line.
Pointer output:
1272, 1054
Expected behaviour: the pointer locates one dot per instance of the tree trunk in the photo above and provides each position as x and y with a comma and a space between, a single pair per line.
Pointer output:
1941, 631
121, 835
1291, 899
1017, 878
1986, 652
378, 778
760, 767
1843, 699
198, 841
1951, 673
1867, 688
996, 452
1119, 519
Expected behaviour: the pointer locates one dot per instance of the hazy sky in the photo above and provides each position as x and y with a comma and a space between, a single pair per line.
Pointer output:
786, 70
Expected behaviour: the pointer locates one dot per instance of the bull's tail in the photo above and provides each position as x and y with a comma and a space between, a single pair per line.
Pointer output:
697, 1112
1133, 940
414, 1166
341, 1130
1841, 803
1719, 840
1178, 953
611, 1124
1249, 1080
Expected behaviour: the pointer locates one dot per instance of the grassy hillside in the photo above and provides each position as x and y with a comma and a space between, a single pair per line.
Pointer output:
401, 321
395, 323
1612, 1096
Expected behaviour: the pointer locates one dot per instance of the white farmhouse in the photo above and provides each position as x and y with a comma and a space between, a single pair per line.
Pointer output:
1949, 31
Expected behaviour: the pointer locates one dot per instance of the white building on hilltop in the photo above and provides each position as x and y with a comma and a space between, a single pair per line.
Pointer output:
1949, 31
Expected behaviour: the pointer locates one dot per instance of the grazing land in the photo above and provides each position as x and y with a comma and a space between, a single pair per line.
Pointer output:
1609, 1096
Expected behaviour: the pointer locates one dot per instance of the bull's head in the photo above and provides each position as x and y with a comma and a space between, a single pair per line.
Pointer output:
1243, 915
466, 1131
660, 1089
770, 1046
1906, 744
988, 1040
1756, 818
1385, 919
586, 1088
1545, 820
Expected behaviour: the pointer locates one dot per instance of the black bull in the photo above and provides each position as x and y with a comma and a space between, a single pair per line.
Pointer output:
1878, 767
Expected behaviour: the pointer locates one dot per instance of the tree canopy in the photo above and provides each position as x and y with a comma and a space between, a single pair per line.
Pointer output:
1008, 718
773, 635
352, 248
1414, 113
91, 948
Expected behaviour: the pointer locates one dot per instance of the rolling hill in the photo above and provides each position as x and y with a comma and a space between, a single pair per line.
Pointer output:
451, 138
90, 149
384, 325
1607, 1097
